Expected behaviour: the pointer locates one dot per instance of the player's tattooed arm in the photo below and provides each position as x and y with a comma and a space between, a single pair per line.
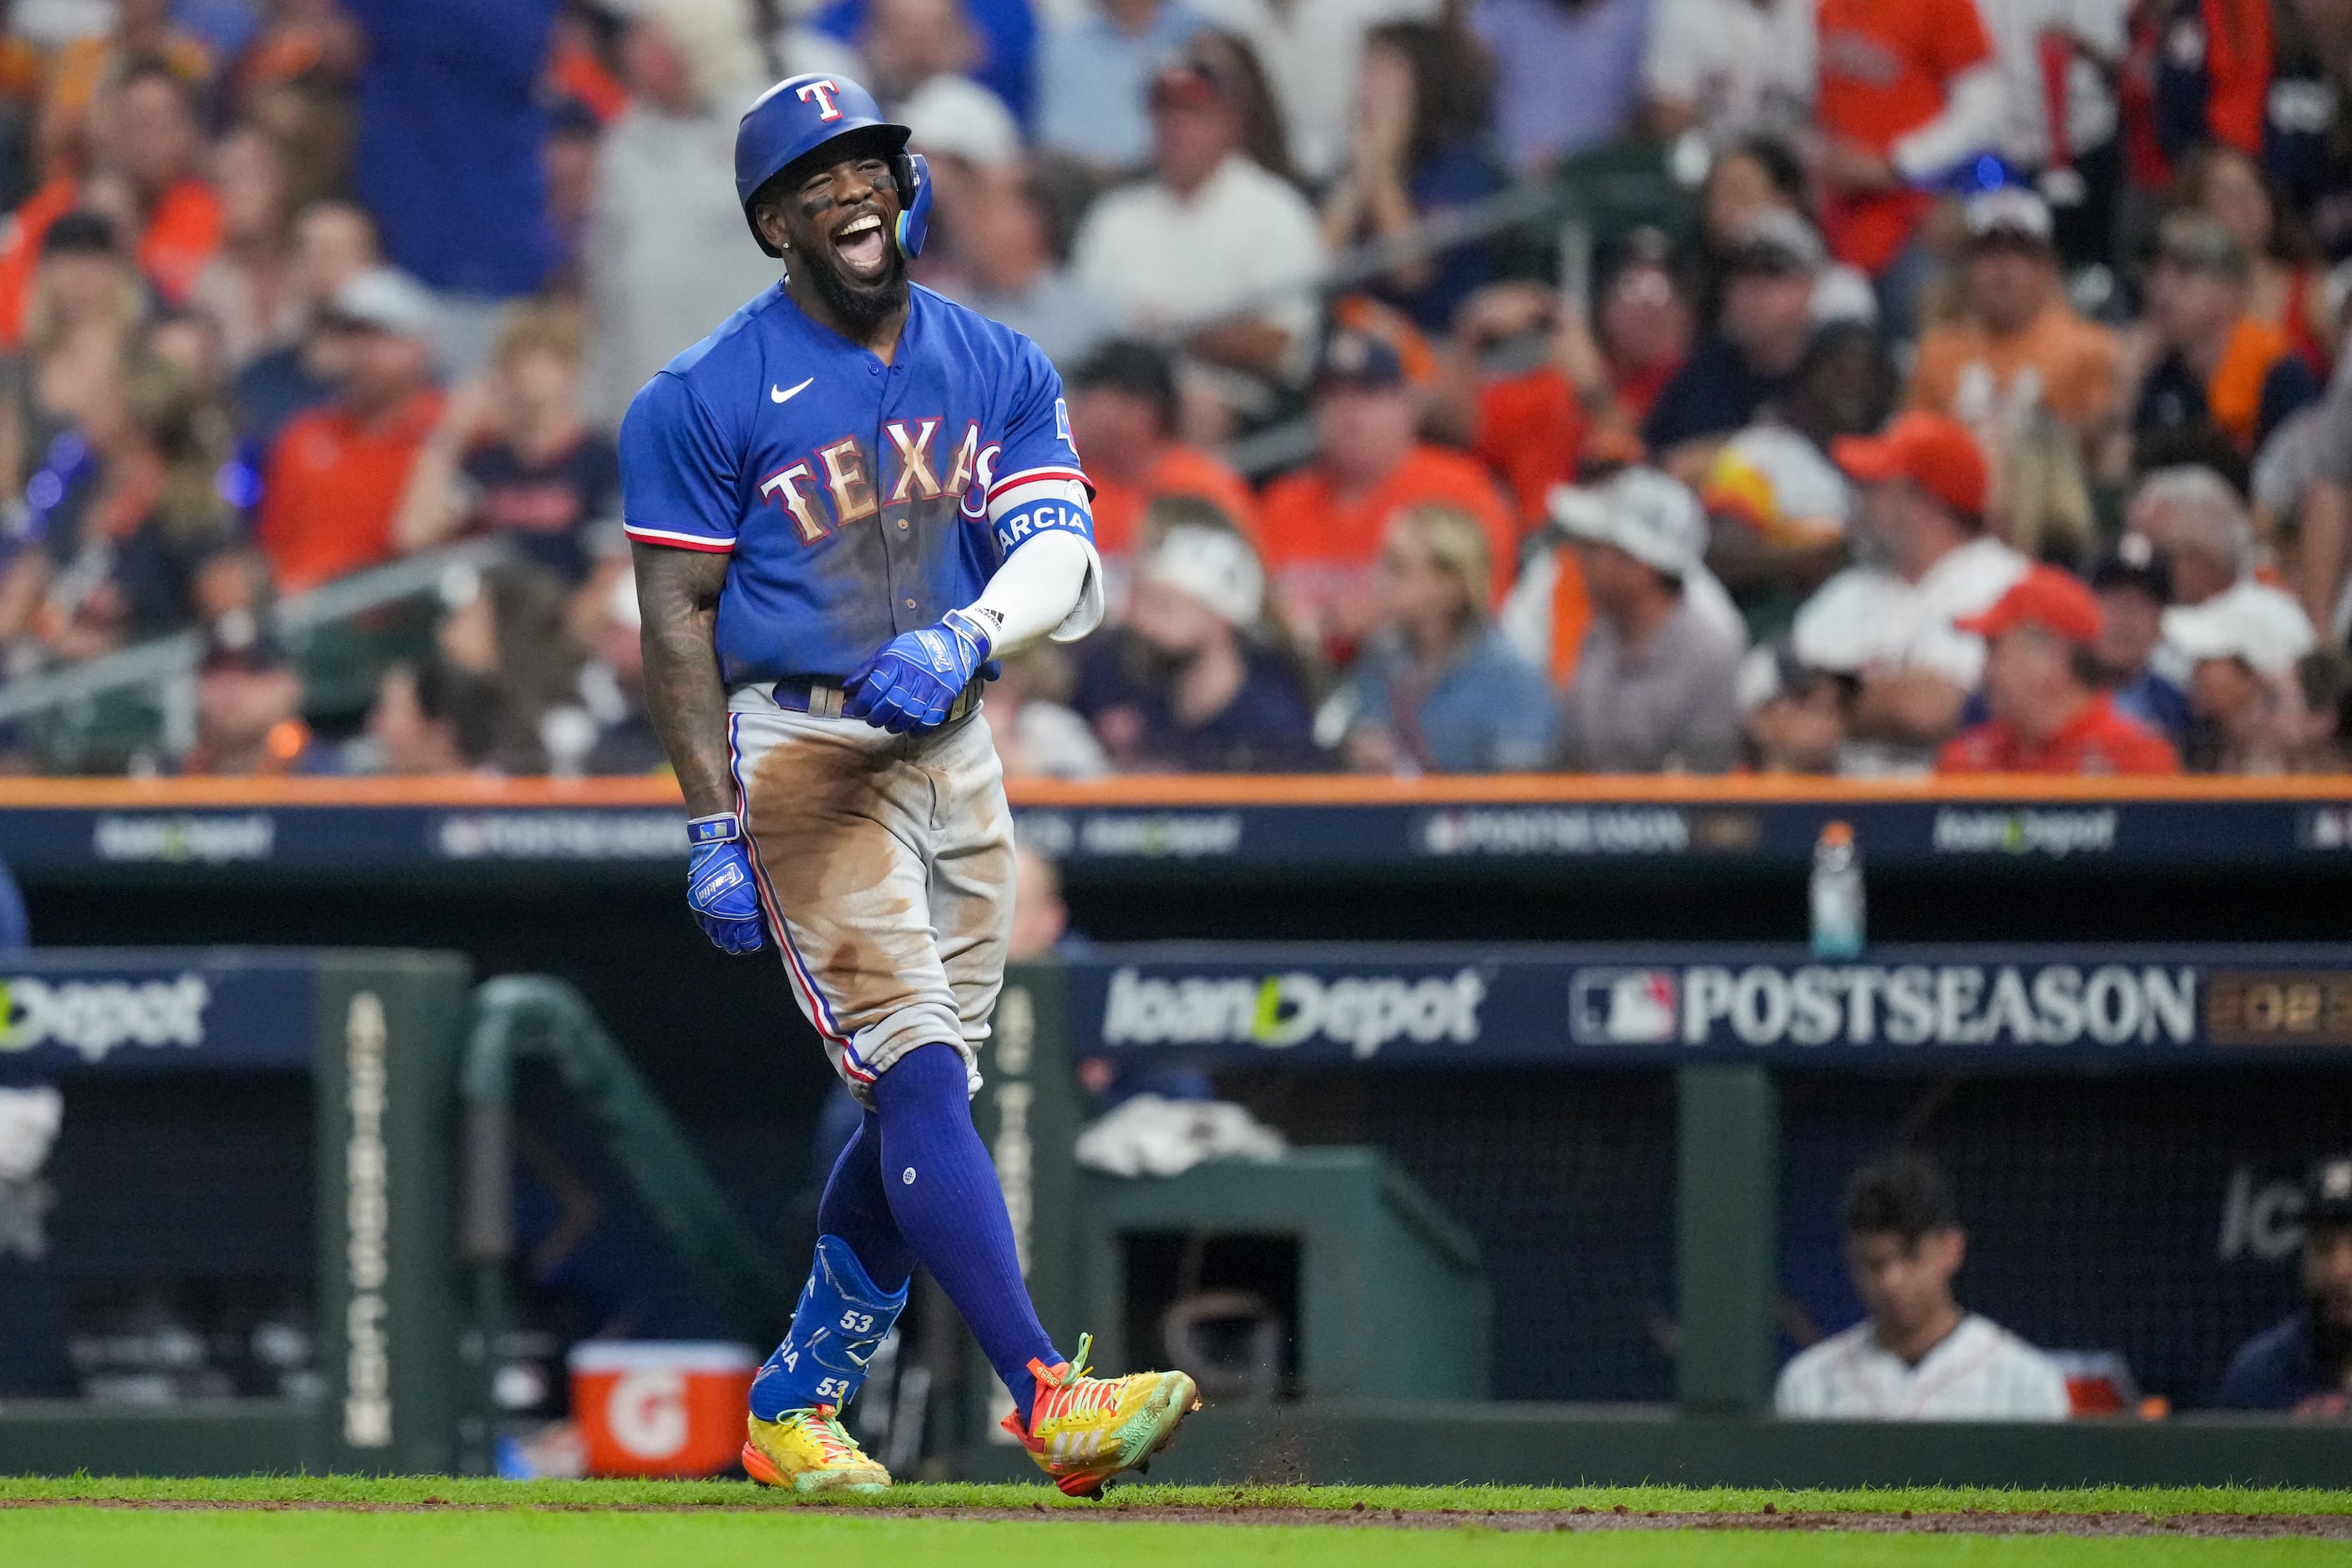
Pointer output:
677, 594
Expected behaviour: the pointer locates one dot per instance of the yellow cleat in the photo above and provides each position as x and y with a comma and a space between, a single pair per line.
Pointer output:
807, 1452
1084, 1430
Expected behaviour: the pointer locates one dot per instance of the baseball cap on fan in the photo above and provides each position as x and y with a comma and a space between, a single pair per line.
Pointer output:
2010, 214
2054, 601
383, 300
1933, 451
1777, 241
1216, 568
1650, 516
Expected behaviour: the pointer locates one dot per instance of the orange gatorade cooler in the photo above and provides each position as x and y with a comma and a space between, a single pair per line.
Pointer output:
660, 1407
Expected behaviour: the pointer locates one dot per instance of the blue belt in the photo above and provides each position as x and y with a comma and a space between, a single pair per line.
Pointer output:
821, 699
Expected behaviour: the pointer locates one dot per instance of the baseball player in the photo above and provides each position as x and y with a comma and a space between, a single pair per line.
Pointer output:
844, 503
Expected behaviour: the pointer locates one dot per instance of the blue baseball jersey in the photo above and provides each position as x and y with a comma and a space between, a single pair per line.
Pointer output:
858, 499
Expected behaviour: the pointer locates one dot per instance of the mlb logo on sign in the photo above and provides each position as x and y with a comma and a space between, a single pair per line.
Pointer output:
1623, 1006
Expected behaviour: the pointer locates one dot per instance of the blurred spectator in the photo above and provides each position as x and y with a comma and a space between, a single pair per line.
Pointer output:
1094, 72
447, 158
2285, 287
1568, 73
1917, 1356
336, 474
1123, 407
1186, 686
249, 708
1005, 239
1793, 718
669, 257
913, 49
2042, 684
1908, 90
508, 628
1436, 688
2198, 522
2216, 363
2133, 583
1763, 176
2201, 69
2042, 492
2058, 61
335, 242
2307, 143
84, 68
1040, 918
511, 457
1779, 511
568, 161
1414, 150
1534, 391
1037, 734
432, 717
2304, 1364
2315, 715
2240, 665
2018, 343
1312, 52
612, 684
993, 41
85, 302
1644, 323
1322, 526
1209, 235
2302, 486
1890, 621
1753, 353
1729, 69
155, 142
121, 515
250, 289
1656, 686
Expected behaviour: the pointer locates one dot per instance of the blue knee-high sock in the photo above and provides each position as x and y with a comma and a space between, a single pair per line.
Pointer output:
856, 1208
943, 1188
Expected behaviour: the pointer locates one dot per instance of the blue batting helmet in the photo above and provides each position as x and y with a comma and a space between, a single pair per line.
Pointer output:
800, 114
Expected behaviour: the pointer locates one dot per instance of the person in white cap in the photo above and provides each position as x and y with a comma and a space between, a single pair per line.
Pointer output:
2191, 515
1656, 686
2241, 654
2018, 343
1186, 686
337, 473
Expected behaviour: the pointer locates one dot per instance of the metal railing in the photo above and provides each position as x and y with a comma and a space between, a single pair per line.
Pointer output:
168, 665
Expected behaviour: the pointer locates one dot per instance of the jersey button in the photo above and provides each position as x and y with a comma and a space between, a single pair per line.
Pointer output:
874, 370
910, 603
902, 525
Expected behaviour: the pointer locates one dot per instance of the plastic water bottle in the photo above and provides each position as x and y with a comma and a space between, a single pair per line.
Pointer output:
1838, 913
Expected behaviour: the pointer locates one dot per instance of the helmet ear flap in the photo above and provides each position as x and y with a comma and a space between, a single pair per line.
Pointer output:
913, 173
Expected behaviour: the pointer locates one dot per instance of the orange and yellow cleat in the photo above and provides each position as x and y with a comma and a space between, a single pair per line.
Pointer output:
806, 1451
1084, 1430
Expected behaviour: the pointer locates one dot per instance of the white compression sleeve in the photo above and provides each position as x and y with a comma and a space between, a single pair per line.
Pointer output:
1974, 102
1051, 585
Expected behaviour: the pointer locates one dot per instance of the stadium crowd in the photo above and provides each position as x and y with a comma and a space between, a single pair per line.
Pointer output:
1962, 392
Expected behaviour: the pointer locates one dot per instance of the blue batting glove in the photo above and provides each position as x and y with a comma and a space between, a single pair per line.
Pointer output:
917, 676
720, 886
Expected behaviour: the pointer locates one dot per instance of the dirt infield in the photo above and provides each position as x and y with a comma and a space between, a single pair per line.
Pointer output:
1965, 1521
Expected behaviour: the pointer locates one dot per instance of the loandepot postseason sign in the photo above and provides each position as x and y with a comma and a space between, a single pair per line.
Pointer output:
2061, 1007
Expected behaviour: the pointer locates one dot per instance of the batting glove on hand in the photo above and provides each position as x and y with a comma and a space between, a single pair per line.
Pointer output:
917, 676
720, 889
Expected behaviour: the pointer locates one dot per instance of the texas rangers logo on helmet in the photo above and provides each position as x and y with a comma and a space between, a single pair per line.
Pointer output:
821, 93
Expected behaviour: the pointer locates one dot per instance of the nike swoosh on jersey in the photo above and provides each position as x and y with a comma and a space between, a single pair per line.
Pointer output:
781, 396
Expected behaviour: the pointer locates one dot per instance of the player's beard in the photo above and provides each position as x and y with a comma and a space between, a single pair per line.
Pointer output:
862, 306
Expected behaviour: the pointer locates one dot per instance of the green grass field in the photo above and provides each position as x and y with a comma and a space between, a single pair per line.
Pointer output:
439, 1523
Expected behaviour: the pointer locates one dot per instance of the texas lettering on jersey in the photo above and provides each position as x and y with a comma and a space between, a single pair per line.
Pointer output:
856, 500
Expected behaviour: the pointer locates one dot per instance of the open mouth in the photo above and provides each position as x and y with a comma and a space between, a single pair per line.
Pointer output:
863, 247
